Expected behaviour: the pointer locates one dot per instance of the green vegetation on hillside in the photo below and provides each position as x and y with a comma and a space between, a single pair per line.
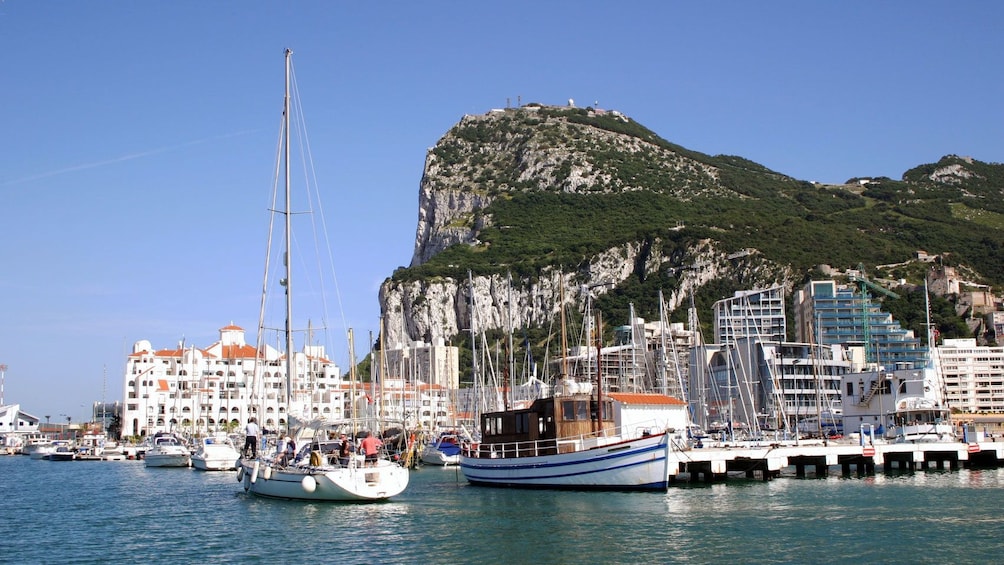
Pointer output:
668, 207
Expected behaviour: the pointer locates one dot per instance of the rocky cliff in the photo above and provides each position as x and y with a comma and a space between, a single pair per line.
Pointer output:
546, 149
537, 201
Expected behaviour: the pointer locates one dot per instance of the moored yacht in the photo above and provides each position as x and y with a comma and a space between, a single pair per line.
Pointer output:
216, 453
168, 451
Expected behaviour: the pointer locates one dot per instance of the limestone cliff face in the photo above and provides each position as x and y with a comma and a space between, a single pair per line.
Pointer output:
535, 148
444, 307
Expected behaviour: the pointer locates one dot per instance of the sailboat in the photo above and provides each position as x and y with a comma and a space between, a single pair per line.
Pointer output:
315, 473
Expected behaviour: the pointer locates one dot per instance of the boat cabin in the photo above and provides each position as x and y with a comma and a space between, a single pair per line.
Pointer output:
562, 424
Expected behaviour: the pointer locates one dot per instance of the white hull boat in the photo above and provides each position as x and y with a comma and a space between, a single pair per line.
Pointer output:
167, 451
354, 482
216, 453
62, 451
315, 477
639, 464
558, 443
443, 452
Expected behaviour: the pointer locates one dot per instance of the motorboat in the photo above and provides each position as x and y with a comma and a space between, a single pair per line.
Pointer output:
443, 451
62, 450
168, 451
216, 453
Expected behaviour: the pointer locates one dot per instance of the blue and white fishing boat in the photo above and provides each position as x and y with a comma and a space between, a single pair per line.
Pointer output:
621, 441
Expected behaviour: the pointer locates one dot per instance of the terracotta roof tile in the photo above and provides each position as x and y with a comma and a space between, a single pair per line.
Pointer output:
645, 398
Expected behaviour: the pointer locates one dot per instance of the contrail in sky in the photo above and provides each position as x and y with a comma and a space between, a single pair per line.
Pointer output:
120, 159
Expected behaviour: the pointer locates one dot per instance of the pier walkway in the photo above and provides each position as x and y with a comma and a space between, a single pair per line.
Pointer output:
767, 460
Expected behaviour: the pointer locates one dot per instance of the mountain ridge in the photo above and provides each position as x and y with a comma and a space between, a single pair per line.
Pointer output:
522, 198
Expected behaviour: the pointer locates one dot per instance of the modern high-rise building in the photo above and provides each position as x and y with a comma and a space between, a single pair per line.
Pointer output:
766, 385
755, 314
830, 313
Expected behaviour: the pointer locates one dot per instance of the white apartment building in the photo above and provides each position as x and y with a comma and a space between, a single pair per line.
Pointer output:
435, 364
201, 390
973, 375
755, 314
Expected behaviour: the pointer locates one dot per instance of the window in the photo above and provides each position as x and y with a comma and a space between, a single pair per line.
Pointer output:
523, 423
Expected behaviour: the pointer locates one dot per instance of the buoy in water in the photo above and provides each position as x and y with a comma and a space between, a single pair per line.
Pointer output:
308, 483
240, 473
254, 472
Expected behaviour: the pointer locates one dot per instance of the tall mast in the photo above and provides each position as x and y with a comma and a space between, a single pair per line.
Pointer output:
663, 356
289, 267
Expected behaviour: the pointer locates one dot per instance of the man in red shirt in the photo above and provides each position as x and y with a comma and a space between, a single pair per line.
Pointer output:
371, 447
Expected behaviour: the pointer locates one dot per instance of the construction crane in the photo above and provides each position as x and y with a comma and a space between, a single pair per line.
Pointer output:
863, 286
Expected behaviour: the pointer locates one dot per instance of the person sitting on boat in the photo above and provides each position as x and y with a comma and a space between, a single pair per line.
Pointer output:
345, 450
371, 447
288, 452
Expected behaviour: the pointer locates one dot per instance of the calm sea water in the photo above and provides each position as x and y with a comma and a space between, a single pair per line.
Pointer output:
122, 512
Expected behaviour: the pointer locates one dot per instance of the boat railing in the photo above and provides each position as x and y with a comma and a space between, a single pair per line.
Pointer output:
565, 444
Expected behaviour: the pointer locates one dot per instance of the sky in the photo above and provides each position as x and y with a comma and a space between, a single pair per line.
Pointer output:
138, 138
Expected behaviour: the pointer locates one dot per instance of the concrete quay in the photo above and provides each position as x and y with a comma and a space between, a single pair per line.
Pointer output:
767, 461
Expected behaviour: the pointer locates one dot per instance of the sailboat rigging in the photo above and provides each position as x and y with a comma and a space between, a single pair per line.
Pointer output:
316, 472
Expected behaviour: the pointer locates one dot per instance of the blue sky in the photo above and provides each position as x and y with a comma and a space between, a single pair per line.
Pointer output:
138, 137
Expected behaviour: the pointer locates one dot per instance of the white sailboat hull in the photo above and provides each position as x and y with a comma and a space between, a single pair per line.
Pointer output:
333, 484
640, 464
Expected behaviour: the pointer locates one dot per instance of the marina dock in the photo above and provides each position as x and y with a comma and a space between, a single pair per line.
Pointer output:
767, 461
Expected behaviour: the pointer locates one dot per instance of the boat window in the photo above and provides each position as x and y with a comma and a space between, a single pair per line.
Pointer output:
567, 410
581, 410
523, 423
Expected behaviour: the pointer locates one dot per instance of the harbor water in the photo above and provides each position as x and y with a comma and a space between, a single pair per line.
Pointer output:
123, 512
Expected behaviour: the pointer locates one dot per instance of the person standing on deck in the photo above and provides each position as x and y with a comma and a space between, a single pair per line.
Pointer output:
251, 438
371, 448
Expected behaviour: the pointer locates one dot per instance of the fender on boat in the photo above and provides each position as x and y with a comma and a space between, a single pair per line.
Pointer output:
309, 484
268, 472
254, 472
240, 472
